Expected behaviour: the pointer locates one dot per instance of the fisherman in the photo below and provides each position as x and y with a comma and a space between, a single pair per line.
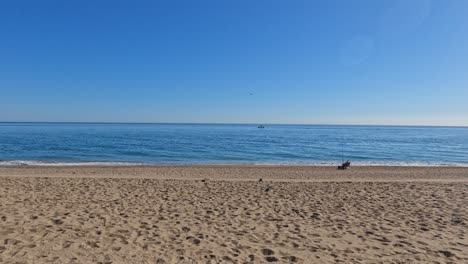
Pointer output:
345, 165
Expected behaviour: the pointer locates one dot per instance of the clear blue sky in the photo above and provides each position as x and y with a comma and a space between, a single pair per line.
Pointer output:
243, 61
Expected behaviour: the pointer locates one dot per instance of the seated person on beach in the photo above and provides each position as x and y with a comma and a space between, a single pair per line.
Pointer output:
345, 165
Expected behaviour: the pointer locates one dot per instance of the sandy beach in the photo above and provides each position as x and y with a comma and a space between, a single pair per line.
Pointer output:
225, 214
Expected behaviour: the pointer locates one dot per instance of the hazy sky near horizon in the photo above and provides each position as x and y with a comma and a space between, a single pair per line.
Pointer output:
244, 61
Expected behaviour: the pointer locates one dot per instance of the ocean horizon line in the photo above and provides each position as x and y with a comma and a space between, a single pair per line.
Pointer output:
239, 124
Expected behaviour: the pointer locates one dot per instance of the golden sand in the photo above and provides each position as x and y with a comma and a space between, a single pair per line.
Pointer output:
224, 214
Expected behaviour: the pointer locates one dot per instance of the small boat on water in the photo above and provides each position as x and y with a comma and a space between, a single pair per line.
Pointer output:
261, 126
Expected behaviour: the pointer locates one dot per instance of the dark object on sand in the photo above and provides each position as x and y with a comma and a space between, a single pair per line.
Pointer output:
260, 180
268, 189
345, 165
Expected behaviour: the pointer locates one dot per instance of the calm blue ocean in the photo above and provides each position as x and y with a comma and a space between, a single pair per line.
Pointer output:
72, 144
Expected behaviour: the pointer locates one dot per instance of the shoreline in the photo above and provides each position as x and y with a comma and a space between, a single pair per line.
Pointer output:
34, 163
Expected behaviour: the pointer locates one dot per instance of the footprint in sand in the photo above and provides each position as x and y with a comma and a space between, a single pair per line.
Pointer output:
57, 221
271, 259
447, 253
64, 245
268, 252
291, 259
